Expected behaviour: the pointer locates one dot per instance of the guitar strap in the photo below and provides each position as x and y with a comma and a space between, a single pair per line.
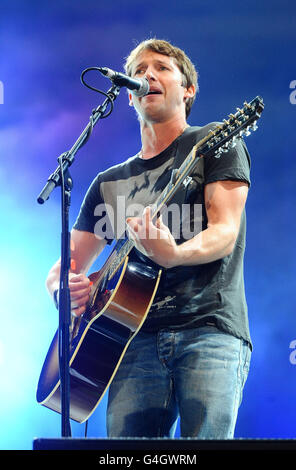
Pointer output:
187, 141
185, 146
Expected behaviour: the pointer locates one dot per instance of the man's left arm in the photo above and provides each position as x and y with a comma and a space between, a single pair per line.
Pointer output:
224, 201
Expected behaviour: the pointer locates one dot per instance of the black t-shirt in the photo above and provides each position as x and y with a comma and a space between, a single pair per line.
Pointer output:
187, 295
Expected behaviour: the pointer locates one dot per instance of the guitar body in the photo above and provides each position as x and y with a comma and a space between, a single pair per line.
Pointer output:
99, 339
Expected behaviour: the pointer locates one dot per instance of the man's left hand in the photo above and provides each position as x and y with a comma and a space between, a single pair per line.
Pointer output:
154, 239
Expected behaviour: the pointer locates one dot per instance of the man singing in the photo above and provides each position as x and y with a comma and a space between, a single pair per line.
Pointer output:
191, 357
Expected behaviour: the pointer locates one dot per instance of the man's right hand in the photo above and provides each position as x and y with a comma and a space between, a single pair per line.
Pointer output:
80, 287
85, 248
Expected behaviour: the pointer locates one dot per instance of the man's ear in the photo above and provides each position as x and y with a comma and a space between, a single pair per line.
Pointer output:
130, 99
190, 92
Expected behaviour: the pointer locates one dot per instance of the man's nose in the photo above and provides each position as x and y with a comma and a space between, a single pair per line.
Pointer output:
149, 74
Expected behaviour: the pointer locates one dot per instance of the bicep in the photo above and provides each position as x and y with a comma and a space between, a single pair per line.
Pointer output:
85, 248
224, 203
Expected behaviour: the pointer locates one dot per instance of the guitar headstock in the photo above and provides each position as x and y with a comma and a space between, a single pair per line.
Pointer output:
240, 124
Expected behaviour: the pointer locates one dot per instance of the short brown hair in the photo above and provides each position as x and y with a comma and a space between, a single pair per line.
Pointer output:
190, 76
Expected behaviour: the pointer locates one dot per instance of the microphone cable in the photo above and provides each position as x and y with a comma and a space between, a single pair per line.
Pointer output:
95, 111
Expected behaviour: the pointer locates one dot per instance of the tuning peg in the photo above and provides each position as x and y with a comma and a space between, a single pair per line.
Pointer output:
254, 126
218, 153
232, 143
247, 131
221, 150
247, 105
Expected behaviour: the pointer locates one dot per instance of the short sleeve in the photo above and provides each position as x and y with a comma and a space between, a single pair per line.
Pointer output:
88, 217
232, 165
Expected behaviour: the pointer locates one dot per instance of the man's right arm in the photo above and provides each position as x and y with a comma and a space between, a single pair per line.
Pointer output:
85, 248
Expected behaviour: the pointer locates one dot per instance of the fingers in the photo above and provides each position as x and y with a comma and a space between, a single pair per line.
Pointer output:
149, 224
141, 229
160, 225
134, 224
77, 312
80, 288
78, 282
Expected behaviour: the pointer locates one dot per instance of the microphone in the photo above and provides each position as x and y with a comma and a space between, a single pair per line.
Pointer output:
139, 86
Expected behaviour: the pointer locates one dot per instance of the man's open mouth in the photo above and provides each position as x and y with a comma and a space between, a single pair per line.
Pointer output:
154, 92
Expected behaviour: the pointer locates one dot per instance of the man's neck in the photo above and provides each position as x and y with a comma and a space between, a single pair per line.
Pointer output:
157, 137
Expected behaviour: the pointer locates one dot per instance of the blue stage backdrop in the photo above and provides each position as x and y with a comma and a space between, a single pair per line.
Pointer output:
241, 49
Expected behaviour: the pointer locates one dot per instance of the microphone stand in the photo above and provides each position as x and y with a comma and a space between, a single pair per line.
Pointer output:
61, 177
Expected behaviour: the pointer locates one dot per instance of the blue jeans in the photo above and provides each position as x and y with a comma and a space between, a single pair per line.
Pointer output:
197, 374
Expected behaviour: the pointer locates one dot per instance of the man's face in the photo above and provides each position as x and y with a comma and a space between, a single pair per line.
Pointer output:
166, 98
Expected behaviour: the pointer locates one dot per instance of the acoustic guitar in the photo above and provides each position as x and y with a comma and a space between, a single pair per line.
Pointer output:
123, 291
